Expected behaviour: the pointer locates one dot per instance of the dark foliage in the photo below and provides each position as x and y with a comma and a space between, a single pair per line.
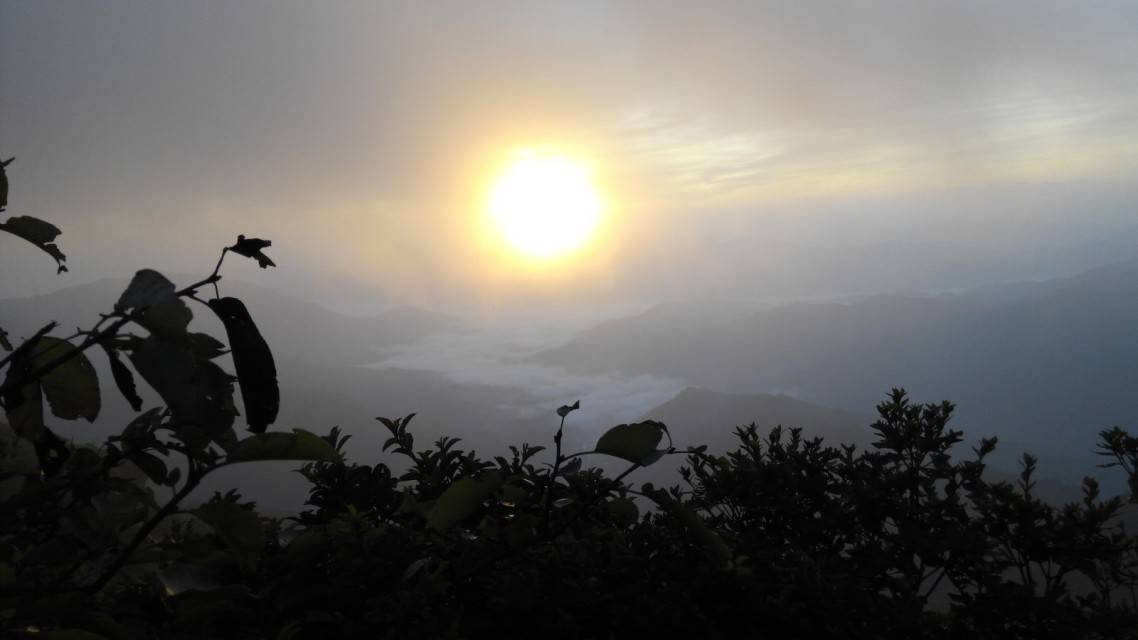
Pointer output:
256, 371
783, 535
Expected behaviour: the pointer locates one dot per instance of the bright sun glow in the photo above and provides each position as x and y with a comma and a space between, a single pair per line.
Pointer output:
545, 205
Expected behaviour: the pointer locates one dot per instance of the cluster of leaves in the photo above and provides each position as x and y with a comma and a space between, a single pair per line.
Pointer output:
782, 535
77, 520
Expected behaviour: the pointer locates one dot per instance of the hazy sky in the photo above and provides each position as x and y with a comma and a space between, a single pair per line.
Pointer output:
360, 137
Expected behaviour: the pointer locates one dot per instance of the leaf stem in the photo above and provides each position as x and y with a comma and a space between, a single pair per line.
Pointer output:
557, 460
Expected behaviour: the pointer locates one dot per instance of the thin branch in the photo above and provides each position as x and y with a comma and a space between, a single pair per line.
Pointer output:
27, 344
553, 474
60, 360
216, 269
92, 338
170, 507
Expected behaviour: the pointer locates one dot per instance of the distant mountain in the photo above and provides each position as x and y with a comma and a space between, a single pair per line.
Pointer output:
697, 416
293, 328
1049, 364
756, 266
701, 416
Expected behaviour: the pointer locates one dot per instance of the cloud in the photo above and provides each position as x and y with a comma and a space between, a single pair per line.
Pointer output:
493, 355
363, 132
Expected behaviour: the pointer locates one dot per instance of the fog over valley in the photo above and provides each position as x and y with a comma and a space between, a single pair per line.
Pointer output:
1042, 364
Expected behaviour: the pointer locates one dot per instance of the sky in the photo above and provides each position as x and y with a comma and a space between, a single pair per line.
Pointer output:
362, 137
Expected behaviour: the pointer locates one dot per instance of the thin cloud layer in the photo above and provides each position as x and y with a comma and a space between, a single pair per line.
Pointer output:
359, 137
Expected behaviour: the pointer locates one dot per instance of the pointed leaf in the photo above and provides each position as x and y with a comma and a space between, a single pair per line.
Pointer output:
4, 183
251, 248
256, 371
572, 467
154, 298
633, 442
298, 445
4, 340
206, 346
40, 233
72, 388
124, 379
565, 410
198, 393
462, 499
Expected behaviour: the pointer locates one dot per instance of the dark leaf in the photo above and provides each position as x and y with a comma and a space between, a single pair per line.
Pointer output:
623, 510
572, 467
652, 458
712, 544
159, 308
40, 233
151, 465
565, 410
238, 527
124, 379
256, 371
17, 455
4, 340
198, 393
72, 388
298, 445
206, 346
4, 182
633, 442
251, 248
462, 499
23, 405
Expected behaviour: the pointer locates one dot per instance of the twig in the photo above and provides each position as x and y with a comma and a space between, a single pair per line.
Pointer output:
170, 507
92, 338
553, 474
27, 344
216, 269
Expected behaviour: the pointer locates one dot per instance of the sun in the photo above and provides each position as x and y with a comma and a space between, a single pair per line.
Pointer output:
545, 204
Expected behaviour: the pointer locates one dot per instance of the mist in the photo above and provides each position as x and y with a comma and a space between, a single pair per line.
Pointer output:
752, 156
374, 304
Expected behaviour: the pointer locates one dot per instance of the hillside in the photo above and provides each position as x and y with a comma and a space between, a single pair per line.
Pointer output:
1050, 363
703, 416
295, 328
